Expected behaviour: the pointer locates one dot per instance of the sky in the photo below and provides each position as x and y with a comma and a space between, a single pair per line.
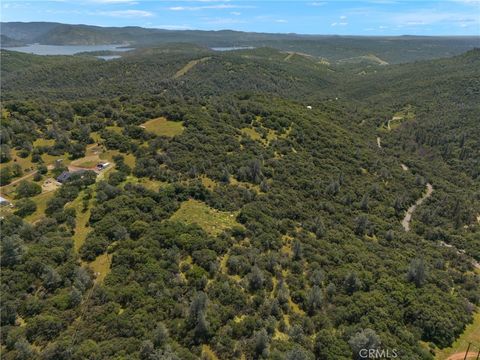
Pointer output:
368, 17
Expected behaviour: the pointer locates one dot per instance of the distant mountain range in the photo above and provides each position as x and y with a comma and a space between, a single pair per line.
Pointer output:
386, 49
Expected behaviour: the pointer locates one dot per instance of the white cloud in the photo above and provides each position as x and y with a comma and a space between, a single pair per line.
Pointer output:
429, 17
342, 23
474, 2
127, 13
281, 21
236, 13
318, 3
207, 7
343, 17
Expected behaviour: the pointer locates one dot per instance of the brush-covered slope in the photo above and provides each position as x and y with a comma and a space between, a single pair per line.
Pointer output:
248, 211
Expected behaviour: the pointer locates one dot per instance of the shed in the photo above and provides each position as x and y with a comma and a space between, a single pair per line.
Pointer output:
4, 202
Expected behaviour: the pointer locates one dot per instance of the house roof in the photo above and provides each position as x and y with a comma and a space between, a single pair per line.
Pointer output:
64, 176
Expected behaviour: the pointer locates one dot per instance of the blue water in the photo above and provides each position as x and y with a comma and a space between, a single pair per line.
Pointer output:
232, 48
65, 49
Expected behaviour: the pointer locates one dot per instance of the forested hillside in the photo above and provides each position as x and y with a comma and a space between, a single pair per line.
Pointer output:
383, 49
249, 205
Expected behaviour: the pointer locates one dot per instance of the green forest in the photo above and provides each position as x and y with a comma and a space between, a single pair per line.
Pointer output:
181, 203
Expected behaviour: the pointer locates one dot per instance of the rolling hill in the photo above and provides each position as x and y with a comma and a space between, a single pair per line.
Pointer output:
247, 210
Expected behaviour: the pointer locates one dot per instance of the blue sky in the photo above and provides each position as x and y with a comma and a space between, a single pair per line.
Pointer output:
372, 17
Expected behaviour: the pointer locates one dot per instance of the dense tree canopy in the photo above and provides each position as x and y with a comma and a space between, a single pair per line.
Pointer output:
259, 228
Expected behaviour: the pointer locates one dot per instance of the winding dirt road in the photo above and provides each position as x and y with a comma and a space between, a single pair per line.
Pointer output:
408, 215
24, 177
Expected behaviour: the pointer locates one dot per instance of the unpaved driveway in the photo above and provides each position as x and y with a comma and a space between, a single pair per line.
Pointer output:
461, 356
408, 215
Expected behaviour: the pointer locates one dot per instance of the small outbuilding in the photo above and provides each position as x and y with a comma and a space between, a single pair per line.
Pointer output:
4, 202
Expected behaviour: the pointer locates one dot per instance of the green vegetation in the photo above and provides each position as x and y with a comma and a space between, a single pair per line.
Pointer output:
212, 221
260, 221
470, 335
163, 127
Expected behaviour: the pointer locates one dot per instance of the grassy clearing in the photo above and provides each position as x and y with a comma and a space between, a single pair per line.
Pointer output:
43, 142
90, 159
95, 136
93, 149
255, 135
101, 266
210, 220
251, 133
50, 159
8, 191
109, 154
114, 128
25, 163
470, 335
208, 183
190, 65
154, 185
41, 201
81, 228
163, 127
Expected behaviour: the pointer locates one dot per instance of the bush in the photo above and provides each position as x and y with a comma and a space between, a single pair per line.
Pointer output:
25, 207
27, 189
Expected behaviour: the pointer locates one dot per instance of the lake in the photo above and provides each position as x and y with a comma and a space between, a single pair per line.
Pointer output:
232, 48
39, 49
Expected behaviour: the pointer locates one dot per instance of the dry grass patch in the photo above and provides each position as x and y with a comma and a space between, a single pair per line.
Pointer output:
87, 161
163, 127
95, 136
208, 183
252, 133
25, 163
207, 353
190, 65
255, 135
114, 128
43, 142
50, 159
149, 184
81, 222
109, 154
211, 220
101, 266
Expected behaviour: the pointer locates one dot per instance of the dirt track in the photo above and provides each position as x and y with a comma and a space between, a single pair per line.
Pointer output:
461, 356
26, 176
408, 216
